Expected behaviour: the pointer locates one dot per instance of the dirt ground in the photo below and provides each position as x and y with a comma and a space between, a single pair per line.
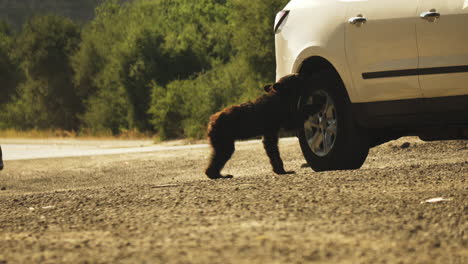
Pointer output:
158, 207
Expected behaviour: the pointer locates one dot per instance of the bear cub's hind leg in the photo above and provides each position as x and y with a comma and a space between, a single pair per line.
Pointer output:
221, 153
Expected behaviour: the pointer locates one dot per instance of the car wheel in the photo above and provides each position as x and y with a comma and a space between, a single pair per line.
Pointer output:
330, 139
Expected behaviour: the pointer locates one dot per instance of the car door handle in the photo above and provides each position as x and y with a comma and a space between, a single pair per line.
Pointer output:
357, 20
431, 15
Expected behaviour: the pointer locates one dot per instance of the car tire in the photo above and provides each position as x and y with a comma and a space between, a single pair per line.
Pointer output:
330, 139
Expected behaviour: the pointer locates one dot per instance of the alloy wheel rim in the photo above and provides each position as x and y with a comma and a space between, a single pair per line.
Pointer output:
321, 129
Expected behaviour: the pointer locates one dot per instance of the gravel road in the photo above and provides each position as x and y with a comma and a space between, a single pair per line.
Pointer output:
158, 207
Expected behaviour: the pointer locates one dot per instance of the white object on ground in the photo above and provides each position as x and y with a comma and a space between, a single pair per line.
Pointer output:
437, 200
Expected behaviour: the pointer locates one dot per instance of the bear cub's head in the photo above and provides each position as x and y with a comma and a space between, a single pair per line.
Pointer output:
290, 85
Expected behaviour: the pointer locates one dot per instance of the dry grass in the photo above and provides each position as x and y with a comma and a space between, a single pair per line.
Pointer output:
83, 134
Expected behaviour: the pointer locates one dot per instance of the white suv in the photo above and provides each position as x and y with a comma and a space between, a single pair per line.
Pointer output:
382, 68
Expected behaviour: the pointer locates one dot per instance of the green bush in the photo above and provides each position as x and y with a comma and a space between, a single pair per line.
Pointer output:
183, 108
162, 66
10, 74
130, 47
252, 22
47, 97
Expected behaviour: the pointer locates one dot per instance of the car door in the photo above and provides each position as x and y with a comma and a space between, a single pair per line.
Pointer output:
442, 33
381, 49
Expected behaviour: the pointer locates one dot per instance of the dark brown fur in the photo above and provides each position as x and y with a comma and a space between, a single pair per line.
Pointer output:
263, 117
1, 160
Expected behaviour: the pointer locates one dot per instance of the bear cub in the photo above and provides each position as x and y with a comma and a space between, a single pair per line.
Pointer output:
1, 160
264, 116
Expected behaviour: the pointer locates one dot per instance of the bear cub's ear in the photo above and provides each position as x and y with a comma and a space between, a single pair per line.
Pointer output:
267, 88
273, 88
277, 87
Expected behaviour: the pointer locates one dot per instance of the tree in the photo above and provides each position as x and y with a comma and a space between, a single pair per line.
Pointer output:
47, 97
252, 24
183, 107
10, 74
158, 65
134, 46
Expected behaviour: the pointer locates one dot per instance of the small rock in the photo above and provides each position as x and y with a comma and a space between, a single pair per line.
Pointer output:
405, 145
420, 216
3, 188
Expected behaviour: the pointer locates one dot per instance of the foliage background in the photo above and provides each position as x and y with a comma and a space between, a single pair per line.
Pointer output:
158, 66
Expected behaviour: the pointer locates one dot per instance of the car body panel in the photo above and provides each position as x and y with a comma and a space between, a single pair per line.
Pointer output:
382, 62
443, 46
386, 42
295, 44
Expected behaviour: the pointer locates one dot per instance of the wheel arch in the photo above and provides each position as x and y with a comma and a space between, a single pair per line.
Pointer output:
319, 65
